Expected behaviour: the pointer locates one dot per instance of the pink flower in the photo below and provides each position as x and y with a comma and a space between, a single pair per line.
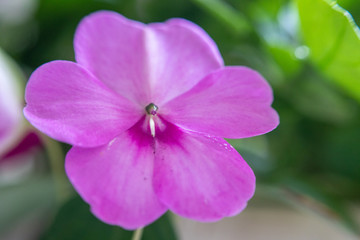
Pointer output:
12, 127
146, 108
27, 145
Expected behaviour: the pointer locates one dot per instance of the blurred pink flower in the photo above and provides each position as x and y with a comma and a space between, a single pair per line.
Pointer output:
18, 144
29, 142
12, 125
146, 108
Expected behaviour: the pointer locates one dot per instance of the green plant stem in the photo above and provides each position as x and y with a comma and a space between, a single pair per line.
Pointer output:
56, 159
137, 234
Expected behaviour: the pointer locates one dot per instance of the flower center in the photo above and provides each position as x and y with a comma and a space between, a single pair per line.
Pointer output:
151, 110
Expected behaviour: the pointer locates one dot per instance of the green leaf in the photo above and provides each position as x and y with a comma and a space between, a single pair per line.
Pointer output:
74, 221
334, 41
226, 14
19, 200
270, 8
285, 58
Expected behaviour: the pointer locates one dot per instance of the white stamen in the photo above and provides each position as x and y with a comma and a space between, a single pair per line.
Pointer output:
152, 126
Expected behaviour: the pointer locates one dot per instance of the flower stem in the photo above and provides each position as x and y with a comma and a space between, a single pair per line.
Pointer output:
56, 159
137, 234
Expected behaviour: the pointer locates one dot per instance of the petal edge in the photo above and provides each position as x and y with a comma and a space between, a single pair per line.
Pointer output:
69, 104
200, 176
233, 102
116, 180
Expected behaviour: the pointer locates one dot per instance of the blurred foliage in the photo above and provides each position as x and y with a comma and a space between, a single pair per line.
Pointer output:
75, 217
309, 51
230, 18
39, 196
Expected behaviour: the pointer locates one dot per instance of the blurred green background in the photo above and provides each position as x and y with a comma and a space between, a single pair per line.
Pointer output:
309, 51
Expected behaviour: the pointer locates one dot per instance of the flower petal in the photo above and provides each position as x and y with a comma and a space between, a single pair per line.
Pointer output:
69, 104
234, 102
116, 179
199, 176
181, 55
143, 63
113, 49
